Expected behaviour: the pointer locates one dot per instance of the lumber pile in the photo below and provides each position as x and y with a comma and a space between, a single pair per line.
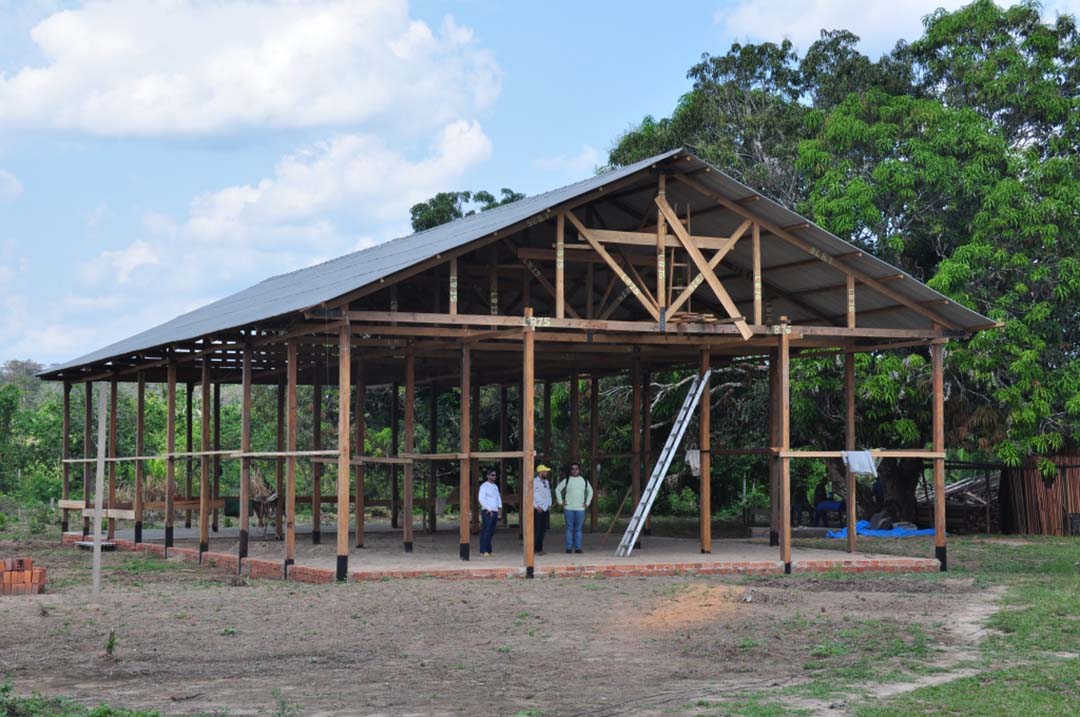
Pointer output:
971, 504
18, 576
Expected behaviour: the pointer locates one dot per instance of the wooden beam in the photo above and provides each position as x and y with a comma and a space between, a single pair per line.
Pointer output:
464, 464
279, 465
113, 425
453, 285
784, 399
528, 442
723, 251
245, 464
560, 265
204, 462
635, 434
360, 420
937, 367
170, 446
344, 452
703, 266
189, 446
850, 301
849, 444
410, 436
774, 440
614, 265
140, 446
661, 257
756, 239
316, 469
705, 445
292, 431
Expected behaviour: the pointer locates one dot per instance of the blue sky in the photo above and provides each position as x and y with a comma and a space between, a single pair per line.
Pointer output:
155, 156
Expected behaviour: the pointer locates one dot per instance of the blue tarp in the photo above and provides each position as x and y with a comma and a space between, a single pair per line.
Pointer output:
863, 528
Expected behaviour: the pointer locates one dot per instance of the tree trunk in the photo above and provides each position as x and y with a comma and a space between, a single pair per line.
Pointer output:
899, 479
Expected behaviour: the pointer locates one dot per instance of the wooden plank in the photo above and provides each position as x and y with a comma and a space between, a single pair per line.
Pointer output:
69, 504
316, 468
850, 301
464, 464
453, 286
291, 435
528, 442
410, 407
722, 252
849, 444
784, 400
360, 419
560, 265
774, 440
937, 367
279, 464
642, 238
704, 445
344, 451
703, 266
245, 447
140, 446
204, 461
170, 446
875, 452
758, 294
614, 265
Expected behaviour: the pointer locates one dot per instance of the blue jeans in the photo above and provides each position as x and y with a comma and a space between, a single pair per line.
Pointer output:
489, 519
575, 521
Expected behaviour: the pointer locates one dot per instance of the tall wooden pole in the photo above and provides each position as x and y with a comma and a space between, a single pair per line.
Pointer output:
204, 463
88, 432
433, 442
594, 451
560, 264
189, 446
316, 467
292, 351
361, 437
410, 437
344, 450
785, 444
99, 478
661, 256
245, 463
774, 441
528, 442
113, 418
705, 446
849, 444
474, 464
279, 463
66, 467
395, 432
140, 445
756, 247
937, 364
464, 487
215, 491
170, 448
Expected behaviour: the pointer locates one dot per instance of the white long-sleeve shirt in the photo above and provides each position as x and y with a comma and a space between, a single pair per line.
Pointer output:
541, 493
489, 496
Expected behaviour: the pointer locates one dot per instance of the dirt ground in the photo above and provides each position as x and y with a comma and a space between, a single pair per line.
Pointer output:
192, 640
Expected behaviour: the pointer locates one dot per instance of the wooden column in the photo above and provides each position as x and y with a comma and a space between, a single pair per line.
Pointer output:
635, 435
849, 444
594, 451
170, 448
705, 446
216, 489
189, 446
360, 420
344, 450
756, 243
474, 463
464, 464
245, 463
937, 366
560, 266
774, 441
113, 417
140, 446
661, 256
291, 430
88, 430
785, 443
204, 463
410, 437
504, 434
433, 441
66, 467
548, 458
453, 286
528, 443
279, 463
316, 467
395, 447
646, 437
575, 420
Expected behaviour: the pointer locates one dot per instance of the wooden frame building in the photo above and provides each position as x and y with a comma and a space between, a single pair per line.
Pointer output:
666, 263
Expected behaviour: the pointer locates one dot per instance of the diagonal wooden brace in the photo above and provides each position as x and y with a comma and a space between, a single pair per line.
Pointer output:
599, 249
713, 263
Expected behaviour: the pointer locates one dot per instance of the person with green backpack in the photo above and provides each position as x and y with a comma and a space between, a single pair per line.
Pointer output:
574, 494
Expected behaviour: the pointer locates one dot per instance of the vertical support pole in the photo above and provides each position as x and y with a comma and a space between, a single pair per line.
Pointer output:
575, 419
464, 489
756, 241
66, 428
850, 301
560, 266
635, 437
705, 446
279, 463
395, 446
594, 451
433, 442
189, 446
216, 488
661, 256
453, 286
528, 441
204, 463
474, 464
493, 280
245, 463
646, 430
316, 467
361, 437
88, 431
785, 444
170, 448
140, 447
292, 352
99, 477
344, 450
410, 406
774, 442
504, 434
113, 418
849, 444
548, 458
937, 365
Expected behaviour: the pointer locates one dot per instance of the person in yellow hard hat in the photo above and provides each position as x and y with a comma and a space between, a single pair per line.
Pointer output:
541, 506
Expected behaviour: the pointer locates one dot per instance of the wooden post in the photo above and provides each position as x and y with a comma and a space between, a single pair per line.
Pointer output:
705, 446
410, 437
204, 463
548, 458
113, 417
774, 441
646, 431
189, 446
635, 436
170, 448
216, 490
528, 442
344, 451
361, 437
756, 241
99, 477
433, 445
850, 301
464, 488
453, 286
594, 451
140, 445
395, 446
785, 444
661, 257
245, 463
575, 422
560, 268
66, 467
474, 464
292, 351
279, 463
937, 364
316, 468
493, 280
849, 441
88, 431
504, 434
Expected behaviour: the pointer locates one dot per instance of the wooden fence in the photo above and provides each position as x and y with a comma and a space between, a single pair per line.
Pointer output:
1030, 505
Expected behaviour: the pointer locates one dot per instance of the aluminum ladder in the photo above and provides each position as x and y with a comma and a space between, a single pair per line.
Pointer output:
682, 420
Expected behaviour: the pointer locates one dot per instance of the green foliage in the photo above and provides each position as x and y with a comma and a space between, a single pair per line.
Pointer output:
38, 706
447, 206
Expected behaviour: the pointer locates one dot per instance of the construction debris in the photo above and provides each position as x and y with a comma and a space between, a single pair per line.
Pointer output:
18, 576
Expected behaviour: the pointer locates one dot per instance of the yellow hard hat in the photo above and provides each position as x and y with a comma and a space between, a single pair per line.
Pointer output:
541, 468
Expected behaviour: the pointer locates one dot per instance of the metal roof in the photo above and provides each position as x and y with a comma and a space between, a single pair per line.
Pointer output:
314, 285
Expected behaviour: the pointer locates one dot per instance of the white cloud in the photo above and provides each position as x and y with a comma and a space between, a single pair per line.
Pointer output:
118, 266
580, 164
187, 67
10, 186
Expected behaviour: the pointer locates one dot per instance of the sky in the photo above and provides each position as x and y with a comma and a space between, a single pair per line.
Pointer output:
158, 155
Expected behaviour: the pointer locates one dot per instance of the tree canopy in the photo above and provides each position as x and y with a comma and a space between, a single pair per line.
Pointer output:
447, 206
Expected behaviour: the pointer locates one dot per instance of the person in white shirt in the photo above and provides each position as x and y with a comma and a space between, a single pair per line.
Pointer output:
490, 507
541, 506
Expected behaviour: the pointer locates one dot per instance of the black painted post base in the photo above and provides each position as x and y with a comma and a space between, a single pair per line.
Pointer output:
86, 529
64, 526
774, 538
138, 532
316, 537
285, 570
706, 552
939, 553
204, 547
787, 568
243, 544
342, 568
529, 572
463, 551
408, 546
168, 536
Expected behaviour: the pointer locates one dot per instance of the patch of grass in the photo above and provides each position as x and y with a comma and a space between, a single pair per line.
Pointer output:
227, 631
747, 643
12, 705
284, 708
750, 706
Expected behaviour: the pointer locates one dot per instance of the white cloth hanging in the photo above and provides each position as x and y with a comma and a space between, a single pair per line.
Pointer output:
693, 459
861, 463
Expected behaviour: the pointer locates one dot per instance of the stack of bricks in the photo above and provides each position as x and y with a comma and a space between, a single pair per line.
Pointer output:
18, 576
